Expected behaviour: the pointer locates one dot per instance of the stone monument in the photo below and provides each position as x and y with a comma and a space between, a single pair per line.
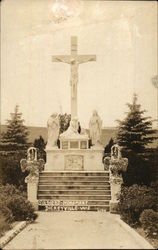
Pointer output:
74, 177
74, 152
34, 166
117, 165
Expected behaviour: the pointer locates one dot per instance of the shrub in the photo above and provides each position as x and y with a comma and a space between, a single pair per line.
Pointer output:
133, 200
21, 208
149, 222
10, 170
13, 200
10, 190
6, 212
4, 224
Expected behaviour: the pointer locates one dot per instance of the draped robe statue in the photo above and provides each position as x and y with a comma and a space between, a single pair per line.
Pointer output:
95, 127
53, 130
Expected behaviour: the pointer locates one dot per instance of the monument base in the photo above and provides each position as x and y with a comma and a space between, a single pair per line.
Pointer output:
74, 160
114, 207
32, 187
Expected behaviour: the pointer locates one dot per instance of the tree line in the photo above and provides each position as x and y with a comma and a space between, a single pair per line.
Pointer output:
134, 135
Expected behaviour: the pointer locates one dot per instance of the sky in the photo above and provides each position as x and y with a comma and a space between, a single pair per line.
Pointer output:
122, 35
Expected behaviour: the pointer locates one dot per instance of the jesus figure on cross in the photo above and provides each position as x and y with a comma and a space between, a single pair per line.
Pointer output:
74, 60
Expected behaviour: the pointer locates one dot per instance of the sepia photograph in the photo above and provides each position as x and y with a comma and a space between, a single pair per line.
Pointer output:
78, 124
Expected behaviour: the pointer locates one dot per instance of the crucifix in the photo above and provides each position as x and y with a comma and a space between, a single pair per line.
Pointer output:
74, 60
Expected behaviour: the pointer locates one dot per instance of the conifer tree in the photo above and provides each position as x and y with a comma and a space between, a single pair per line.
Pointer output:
16, 133
12, 149
108, 146
40, 145
135, 133
64, 122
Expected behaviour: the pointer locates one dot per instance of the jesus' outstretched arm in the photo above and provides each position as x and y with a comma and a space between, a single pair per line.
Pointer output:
64, 59
86, 58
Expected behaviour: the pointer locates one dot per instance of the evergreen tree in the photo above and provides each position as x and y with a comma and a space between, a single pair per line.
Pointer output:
16, 133
134, 134
64, 122
135, 131
79, 128
40, 145
12, 149
108, 146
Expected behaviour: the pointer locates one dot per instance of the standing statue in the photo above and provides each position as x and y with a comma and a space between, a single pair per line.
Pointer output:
95, 127
53, 127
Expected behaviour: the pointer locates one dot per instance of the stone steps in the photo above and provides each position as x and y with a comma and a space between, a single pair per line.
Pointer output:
43, 187
74, 197
78, 173
72, 192
81, 208
73, 178
74, 182
89, 202
77, 190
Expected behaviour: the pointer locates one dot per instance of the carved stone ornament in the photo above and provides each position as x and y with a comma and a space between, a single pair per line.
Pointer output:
73, 162
116, 179
32, 165
106, 162
116, 164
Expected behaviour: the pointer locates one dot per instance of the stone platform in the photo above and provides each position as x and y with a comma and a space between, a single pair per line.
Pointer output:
74, 159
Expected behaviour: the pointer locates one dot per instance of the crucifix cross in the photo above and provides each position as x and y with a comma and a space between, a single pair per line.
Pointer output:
74, 60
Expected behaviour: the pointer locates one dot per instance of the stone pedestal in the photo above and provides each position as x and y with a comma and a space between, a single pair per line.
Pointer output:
32, 187
116, 164
34, 166
115, 183
74, 154
74, 160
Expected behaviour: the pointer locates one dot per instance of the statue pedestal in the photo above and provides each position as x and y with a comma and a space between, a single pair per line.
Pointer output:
115, 183
74, 160
74, 154
32, 187
116, 164
34, 166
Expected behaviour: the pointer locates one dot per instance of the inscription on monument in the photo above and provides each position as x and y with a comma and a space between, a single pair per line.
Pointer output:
73, 162
64, 205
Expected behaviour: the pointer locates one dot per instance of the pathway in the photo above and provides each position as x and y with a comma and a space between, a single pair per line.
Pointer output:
77, 230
